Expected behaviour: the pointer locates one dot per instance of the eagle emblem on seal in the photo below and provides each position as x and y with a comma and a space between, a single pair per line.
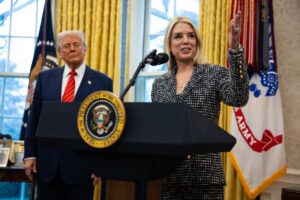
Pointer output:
101, 117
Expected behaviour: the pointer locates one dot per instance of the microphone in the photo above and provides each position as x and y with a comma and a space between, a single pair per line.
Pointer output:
158, 59
153, 59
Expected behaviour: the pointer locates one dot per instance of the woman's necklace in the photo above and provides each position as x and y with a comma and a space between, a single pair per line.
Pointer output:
180, 87
181, 82
182, 78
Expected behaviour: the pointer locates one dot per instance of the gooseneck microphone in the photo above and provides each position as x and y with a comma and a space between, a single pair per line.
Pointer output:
153, 59
158, 59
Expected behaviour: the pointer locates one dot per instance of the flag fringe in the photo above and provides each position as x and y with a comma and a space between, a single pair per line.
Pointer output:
254, 193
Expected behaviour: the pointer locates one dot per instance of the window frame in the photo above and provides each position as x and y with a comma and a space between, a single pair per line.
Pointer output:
137, 50
139, 47
6, 74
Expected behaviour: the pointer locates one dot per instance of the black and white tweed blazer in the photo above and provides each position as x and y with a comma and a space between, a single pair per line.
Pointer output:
209, 85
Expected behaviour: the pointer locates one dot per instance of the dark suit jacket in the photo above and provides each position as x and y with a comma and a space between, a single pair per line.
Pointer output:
208, 86
49, 160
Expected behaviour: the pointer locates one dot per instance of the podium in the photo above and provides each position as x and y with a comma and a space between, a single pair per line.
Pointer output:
156, 138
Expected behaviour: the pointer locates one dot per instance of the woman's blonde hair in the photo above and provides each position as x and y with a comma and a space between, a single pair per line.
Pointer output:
199, 57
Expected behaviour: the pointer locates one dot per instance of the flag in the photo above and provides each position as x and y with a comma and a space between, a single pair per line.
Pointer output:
248, 28
44, 58
259, 154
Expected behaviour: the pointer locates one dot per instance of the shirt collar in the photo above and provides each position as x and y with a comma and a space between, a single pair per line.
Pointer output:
79, 71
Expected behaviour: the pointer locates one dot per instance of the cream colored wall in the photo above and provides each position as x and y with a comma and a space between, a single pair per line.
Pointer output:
287, 40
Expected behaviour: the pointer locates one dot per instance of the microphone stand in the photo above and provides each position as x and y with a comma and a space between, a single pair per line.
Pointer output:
139, 68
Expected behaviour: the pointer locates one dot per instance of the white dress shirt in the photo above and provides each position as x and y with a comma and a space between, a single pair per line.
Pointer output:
78, 77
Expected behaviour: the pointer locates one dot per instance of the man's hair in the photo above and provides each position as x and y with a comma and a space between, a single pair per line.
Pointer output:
199, 57
77, 33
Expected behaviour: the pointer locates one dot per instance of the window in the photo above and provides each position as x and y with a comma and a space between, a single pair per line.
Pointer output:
19, 27
158, 14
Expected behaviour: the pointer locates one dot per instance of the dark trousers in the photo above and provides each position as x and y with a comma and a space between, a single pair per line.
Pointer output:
57, 189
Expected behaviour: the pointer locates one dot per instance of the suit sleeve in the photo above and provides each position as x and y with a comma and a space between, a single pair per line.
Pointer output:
34, 113
154, 92
234, 83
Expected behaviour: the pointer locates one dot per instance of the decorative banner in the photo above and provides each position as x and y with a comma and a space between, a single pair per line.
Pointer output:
44, 58
259, 155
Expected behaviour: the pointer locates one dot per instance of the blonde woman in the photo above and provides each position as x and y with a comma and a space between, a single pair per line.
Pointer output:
203, 86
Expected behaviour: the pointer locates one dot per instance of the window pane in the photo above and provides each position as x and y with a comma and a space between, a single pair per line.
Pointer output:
3, 53
12, 126
163, 8
157, 42
24, 18
190, 10
41, 4
192, 7
1, 94
143, 89
159, 5
4, 17
161, 13
15, 96
160, 24
24, 47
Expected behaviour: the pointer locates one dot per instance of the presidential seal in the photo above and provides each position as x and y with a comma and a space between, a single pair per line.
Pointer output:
101, 119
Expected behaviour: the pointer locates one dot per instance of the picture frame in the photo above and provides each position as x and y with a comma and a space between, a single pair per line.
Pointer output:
7, 143
4, 155
17, 153
5, 149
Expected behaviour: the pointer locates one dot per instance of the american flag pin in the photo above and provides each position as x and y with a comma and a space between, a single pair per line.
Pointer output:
89, 82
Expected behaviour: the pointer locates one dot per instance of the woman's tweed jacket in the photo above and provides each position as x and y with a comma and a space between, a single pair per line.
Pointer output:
209, 85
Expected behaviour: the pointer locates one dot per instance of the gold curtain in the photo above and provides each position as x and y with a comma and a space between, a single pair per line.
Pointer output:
100, 20
213, 25
127, 54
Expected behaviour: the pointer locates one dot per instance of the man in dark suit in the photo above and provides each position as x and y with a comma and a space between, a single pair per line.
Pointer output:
59, 174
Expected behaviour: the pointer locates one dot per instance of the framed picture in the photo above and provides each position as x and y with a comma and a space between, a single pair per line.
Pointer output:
4, 155
5, 148
17, 153
5, 143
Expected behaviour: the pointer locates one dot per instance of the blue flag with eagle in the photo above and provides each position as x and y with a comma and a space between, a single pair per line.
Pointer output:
44, 58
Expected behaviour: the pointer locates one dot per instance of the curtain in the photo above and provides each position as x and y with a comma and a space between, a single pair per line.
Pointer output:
100, 20
127, 45
213, 25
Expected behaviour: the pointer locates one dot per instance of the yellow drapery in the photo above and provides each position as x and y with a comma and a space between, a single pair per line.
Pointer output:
100, 20
213, 25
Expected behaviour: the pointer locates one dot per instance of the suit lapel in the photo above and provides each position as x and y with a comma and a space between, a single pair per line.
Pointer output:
193, 82
170, 87
58, 75
85, 85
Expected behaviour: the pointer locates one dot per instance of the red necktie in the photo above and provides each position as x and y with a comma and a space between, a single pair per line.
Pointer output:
70, 88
